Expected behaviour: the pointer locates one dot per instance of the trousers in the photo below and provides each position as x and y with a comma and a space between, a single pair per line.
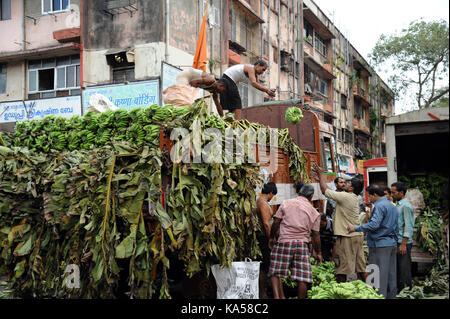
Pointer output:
404, 277
386, 260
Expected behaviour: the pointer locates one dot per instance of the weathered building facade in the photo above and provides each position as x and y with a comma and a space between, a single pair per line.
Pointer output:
131, 50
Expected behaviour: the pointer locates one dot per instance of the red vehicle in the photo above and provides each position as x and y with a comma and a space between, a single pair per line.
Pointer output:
375, 172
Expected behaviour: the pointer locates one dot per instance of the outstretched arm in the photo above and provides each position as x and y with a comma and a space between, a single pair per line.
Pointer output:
217, 102
250, 70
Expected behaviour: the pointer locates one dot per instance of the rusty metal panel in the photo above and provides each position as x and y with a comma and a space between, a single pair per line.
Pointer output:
302, 133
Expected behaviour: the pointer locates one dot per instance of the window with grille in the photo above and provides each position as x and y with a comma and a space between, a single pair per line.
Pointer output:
308, 32
54, 77
321, 45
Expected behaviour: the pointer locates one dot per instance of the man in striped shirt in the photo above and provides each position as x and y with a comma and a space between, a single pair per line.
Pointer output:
406, 216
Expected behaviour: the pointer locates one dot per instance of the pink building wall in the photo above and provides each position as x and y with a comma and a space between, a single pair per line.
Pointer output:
11, 30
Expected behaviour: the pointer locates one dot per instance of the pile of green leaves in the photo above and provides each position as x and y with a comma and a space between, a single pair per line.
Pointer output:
139, 126
82, 208
434, 286
430, 186
429, 234
70, 199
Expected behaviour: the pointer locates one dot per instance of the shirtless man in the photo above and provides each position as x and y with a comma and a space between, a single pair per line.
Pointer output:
203, 80
265, 214
231, 99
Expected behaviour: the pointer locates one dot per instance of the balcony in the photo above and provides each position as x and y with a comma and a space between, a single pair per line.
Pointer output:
360, 125
318, 63
361, 93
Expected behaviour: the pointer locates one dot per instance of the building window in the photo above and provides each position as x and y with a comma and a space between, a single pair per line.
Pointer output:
54, 77
121, 75
232, 26
49, 6
321, 45
343, 101
2, 78
5, 9
308, 32
322, 86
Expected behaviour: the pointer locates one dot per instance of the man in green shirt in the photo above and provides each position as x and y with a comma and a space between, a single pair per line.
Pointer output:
406, 218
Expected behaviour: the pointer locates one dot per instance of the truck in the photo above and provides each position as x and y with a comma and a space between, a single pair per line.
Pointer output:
306, 135
417, 145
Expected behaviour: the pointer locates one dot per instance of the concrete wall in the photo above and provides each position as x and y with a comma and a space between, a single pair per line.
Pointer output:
40, 35
101, 31
11, 30
15, 72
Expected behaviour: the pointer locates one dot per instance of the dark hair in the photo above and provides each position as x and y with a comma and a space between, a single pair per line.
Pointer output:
400, 186
387, 189
337, 179
260, 62
270, 187
307, 191
375, 189
298, 187
357, 185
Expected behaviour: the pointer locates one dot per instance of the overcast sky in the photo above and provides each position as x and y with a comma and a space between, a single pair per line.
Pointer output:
363, 21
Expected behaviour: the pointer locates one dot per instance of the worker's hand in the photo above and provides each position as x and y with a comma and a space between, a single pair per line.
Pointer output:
350, 229
272, 242
319, 258
271, 92
402, 249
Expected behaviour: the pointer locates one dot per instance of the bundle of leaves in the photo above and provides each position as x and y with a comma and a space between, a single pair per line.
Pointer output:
78, 208
429, 234
431, 186
434, 286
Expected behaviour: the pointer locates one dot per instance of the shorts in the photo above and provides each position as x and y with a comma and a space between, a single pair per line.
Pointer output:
231, 99
293, 256
349, 255
263, 243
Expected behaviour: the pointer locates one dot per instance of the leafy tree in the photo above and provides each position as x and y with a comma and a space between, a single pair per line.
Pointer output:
419, 58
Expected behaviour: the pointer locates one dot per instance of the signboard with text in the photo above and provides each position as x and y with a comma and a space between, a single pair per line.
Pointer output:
169, 75
38, 109
125, 96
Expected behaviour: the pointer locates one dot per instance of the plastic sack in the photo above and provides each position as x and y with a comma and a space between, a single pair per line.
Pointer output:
415, 197
99, 103
240, 281
180, 95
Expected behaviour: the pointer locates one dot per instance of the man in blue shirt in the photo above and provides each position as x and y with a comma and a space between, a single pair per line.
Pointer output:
382, 231
406, 215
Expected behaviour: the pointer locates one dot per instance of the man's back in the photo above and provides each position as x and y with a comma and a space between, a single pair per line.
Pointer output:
383, 224
346, 213
299, 217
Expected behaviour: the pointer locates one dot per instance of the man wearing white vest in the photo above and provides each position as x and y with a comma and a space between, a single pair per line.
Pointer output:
230, 99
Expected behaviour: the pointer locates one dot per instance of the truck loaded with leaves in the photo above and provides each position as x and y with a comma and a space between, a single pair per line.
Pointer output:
73, 192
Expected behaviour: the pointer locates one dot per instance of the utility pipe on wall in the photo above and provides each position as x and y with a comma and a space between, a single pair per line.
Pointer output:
167, 17
300, 48
279, 50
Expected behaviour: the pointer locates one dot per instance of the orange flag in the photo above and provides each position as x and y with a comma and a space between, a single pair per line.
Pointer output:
201, 56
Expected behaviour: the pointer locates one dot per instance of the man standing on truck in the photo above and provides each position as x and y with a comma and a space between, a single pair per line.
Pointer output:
289, 236
348, 249
230, 99
382, 230
406, 216
265, 214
